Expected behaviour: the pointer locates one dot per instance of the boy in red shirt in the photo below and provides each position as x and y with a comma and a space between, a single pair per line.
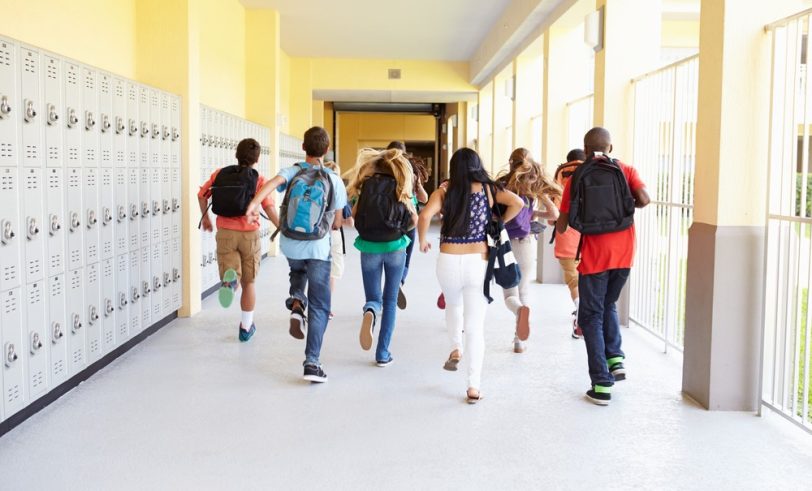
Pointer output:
604, 268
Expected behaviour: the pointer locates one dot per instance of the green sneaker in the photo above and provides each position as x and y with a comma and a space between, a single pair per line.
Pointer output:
616, 368
600, 395
228, 288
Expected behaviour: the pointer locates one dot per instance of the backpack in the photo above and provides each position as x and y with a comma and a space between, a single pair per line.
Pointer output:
232, 190
304, 213
562, 175
601, 200
380, 216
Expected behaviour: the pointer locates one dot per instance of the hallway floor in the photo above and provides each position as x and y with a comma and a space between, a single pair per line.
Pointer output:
191, 408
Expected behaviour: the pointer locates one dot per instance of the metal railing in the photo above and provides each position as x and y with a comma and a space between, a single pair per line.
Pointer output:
665, 108
579, 120
787, 331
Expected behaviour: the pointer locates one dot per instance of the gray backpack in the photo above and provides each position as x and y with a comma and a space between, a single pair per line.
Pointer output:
304, 213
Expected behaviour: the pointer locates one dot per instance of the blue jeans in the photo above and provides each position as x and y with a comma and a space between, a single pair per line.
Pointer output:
383, 303
315, 275
412, 235
597, 316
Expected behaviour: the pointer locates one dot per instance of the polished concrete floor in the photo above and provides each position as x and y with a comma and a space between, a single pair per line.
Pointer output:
191, 408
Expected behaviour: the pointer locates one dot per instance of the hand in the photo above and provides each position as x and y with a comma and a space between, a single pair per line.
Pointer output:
207, 223
253, 217
425, 246
251, 210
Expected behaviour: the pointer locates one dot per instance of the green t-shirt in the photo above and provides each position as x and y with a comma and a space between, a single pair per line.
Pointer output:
382, 247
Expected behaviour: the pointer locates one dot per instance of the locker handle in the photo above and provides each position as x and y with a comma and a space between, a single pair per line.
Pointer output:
55, 225
175, 275
145, 287
133, 212
72, 118
145, 209
93, 315
144, 129
155, 131
56, 329
90, 121
133, 127
120, 125
175, 134
135, 295
108, 307
175, 204
33, 228
91, 218
165, 132
107, 216
75, 223
77, 322
53, 116
167, 279
167, 208
156, 207
7, 232
36, 343
30, 113
122, 301
105, 123
122, 214
10, 354
5, 108
156, 283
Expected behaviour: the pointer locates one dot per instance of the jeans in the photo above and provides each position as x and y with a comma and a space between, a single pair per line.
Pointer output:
597, 316
524, 250
412, 235
383, 303
315, 275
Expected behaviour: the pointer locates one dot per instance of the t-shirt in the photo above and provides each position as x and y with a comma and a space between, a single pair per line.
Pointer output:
614, 250
311, 249
519, 227
382, 247
566, 244
234, 223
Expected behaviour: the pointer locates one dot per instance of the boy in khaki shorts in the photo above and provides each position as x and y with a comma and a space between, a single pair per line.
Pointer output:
238, 246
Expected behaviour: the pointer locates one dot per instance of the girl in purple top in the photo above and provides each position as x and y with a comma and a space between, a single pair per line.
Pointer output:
527, 179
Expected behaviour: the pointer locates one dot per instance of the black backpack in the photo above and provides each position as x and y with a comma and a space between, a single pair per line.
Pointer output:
380, 216
232, 190
601, 200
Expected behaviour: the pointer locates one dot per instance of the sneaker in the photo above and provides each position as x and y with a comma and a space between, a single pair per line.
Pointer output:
386, 363
330, 316
297, 321
246, 335
367, 327
227, 288
441, 302
599, 395
518, 346
523, 323
616, 368
577, 333
313, 373
401, 298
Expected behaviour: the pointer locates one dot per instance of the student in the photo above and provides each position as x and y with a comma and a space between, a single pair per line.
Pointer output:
384, 212
527, 179
238, 247
337, 245
305, 225
566, 244
462, 263
606, 259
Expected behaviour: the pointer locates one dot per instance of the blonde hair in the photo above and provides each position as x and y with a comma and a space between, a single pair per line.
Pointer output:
527, 178
333, 167
393, 162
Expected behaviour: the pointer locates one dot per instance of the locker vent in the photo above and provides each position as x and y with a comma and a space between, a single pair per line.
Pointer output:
134, 241
53, 180
108, 269
32, 182
109, 338
9, 304
122, 264
34, 267
135, 322
121, 178
74, 180
30, 63
105, 85
156, 310
122, 329
132, 94
94, 346
6, 150
31, 152
164, 104
53, 153
143, 94
75, 280
107, 179
13, 394
92, 274
78, 356
10, 273
5, 54
72, 76
119, 90
75, 256
7, 182
91, 178
108, 249
90, 154
56, 289
35, 295
106, 155
56, 261
121, 244
50, 70
37, 379
90, 80
73, 154
59, 368
144, 161
120, 156
133, 157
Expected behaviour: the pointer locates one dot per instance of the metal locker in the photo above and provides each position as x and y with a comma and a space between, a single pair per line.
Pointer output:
122, 298
133, 131
121, 212
156, 269
57, 330
31, 111
133, 209
74, 125
107, 213
166, 203
176, 201
11, 340
75, 321
36, 342
144, 187
146, 288
9, 103
174, 116
166, 129
54, 224
106, 120
90, 117
33, 227
91, 217
166, 278
177, 273
118, 120
155, 128
10, 230
74, 219
134, 291
93, 312
157, 206
53, 110
108, 304
144, 131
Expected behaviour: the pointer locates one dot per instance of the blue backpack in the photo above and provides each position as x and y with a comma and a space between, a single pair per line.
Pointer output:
304, 213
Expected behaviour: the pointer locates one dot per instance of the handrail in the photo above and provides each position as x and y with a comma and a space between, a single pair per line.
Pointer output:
666, 67
786, 20
580, 99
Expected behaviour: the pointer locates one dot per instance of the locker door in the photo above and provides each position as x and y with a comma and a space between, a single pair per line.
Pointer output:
10, 254
157, 207
108, 305
144, 131
74, 124
118, 119
90, 116
133, 209
122, 298
53, 81
9, 103
91, 218
11, 339
177, 273
166, 129
33, 224
57, 330
120, 212
175, 122
74, 218
75, 321
106, 120
53, 226
176, 200
156, 268
166, 277
36, 340
155, 125
144, 187
93, 312
134, 290
107, 211
166, 203
31, 110
146, 288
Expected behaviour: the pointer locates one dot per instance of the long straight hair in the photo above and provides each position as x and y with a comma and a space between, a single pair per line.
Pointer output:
466, 169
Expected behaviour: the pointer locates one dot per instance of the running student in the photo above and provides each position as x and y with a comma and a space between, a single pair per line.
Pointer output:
384, 212
606, 258
311, 207
337, 244
238, 247
527, 179
462, 263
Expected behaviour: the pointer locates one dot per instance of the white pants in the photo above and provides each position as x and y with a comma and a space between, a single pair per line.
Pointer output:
525, 252
462, 277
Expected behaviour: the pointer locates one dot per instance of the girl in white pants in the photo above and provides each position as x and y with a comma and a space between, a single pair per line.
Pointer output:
466, 207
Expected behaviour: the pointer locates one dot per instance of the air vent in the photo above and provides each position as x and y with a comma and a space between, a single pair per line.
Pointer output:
394, 74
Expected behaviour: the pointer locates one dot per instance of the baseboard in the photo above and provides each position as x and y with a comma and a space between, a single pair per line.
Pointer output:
208, 292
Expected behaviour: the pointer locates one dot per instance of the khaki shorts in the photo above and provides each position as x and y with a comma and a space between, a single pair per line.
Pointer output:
239, 251
570, 269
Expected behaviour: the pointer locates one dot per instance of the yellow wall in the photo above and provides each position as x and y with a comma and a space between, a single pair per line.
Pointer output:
680, 34
100, 33
360, 74
284, 92
300, 110
222, 55
359, 130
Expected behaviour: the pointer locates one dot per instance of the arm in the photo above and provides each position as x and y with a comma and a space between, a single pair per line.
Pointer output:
421, 194
513, 202
562, 223
270, 212
252, 211
550, 210
433, 207
641, 197
204, 205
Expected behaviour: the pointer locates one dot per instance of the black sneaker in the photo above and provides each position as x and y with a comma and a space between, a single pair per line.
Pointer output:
313, 373
386, 363
576, 330
599, 395
618, 371
297, 322
401, 298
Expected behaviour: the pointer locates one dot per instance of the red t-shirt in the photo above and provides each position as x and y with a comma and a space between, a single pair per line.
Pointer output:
614, 250
234, 223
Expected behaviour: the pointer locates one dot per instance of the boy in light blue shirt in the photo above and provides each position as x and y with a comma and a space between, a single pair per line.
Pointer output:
309, 260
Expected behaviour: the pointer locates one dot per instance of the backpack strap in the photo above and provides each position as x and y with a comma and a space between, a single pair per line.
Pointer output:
203, 215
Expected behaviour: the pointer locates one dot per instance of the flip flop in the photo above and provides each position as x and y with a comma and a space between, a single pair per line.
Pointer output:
474, 400
229, 286
451, 364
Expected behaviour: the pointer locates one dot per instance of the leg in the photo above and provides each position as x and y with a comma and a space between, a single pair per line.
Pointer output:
611, 324
298, 283
569, 266
228, 255
318, 293
250, 256
475, 306
371, 271
393, 263
590, 318
412, 234
449, 274
525, 252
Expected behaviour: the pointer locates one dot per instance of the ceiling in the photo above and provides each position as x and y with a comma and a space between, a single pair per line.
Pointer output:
448, 30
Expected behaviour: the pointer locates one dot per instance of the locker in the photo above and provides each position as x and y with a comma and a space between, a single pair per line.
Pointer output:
144, 126
155, 126
156, 211
177, 273
31, 109
9, 105
10, 247
73, 115
90, 194
166, 201
33, 220
53, 226
108, 305
75, 321
122, 298
93, 312
133, 209
133, 132
90, 117
118, 119
36, 341
106, 214
134, 289
146, 288
74, 218
176, 200
106, 120
120, 212
54, 109
166, 129
11, 339
174, 116
156, 269
57, 330
166, 278
144, 187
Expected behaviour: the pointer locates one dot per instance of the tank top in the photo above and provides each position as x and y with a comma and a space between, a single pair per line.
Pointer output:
479, 215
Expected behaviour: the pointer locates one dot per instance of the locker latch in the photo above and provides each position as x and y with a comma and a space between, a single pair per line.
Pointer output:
175, 204
92, 314
120, 125
72, 118
91, 218
107, 216
156, 207
7, 232
133, 127
133, 211
122, 301
36, 343
203, 262
90, 120
33, 228
175, 134
167, 208
75, 223
167, 279
175, 275
53, 116
56, 332
30, 113
144, 129
5, 109
105, 123
9, 354
55, 225
76, 324
135, 295
204, 140
108, 307
156, 284
165, 132
122, 213
144, 209
155, 131
145, 288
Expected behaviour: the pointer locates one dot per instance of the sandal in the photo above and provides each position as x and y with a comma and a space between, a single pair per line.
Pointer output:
452, 362
473, 399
